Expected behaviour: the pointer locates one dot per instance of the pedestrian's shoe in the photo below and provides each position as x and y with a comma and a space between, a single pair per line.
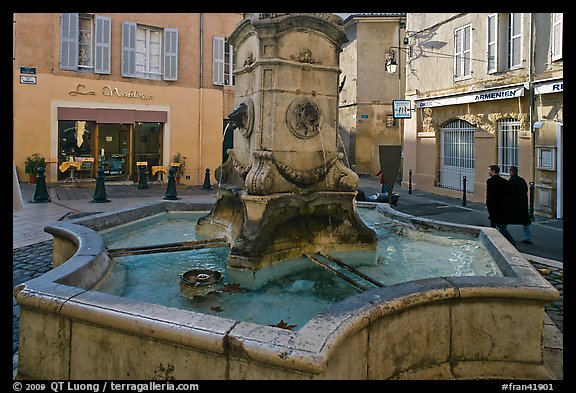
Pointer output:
527, 241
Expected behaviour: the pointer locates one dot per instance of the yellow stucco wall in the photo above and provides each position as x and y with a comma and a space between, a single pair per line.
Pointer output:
196, 108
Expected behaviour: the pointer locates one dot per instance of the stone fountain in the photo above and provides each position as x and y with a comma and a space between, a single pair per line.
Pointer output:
284, 189
283, 192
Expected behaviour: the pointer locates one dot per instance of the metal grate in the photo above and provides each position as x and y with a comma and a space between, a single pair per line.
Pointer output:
507, 144
457, 155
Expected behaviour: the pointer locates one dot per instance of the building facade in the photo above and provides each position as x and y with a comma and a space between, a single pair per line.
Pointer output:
122, 88
367, 90
486, 88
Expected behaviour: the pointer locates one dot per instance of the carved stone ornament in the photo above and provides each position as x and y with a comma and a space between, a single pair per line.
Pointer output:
243, 117
303, 118
249, 60
305, 56
304, 178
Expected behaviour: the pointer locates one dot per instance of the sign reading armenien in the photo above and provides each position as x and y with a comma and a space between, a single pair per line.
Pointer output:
402, 109
487, 95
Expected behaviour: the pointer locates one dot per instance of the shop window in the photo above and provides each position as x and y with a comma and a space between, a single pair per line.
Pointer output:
75, 141
222, 62
85, 43
149, 52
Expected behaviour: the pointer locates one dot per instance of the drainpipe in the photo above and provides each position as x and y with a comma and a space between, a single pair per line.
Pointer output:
531, 93
200, 103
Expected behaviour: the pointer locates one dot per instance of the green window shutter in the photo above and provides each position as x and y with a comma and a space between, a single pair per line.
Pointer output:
69, 41
218, 60
170, 54
128, 49
102, 41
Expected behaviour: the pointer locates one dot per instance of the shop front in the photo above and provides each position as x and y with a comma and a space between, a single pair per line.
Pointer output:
459, 135
116, 139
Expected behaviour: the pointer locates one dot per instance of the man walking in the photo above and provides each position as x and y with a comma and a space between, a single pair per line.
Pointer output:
518, 203
496, 196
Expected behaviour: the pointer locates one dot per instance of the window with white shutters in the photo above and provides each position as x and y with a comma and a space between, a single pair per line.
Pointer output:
462, 52
222, 62
557, 34
492, 43
85, 43
514, 40
149, 52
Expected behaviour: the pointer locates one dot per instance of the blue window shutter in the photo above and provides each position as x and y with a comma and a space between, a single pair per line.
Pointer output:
103, 38
129, 49
69, 41
218, 60
170, 54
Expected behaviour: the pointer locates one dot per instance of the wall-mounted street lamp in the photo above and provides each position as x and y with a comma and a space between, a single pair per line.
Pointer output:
391, 64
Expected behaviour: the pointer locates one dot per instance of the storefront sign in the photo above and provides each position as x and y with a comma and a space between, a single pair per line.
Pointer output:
109, 92
28, 80
402, 109
487, 95
28, 70
550, 87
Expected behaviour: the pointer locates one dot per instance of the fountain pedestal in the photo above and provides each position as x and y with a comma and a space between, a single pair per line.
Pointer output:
267, 229
284, 189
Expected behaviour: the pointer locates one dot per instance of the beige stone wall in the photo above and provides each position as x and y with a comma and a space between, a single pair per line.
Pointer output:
429, 74
366, 99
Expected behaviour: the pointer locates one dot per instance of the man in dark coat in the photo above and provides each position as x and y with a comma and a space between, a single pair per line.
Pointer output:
518, 203
496, 202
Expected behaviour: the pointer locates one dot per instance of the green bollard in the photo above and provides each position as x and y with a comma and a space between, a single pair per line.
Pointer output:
142, 183
100, 191
171, 188
206, 185
41, 192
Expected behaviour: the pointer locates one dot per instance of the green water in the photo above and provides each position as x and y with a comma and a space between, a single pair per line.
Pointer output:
293, 291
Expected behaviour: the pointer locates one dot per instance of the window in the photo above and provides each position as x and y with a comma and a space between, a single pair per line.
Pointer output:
507, 143
85, 43
149, 52
492, 43
222, 62
462, 52
514, 40
557, 36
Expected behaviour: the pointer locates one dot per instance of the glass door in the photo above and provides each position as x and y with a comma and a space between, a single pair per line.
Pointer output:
114, 150
147, 146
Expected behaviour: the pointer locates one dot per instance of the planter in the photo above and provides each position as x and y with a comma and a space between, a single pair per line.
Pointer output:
33, 178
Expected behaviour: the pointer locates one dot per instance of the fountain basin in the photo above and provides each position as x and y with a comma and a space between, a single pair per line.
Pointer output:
440, 328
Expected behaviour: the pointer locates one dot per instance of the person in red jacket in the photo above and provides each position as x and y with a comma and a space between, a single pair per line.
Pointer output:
383, 182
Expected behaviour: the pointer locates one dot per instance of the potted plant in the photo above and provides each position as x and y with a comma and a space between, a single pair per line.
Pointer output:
32, 164
181, 168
